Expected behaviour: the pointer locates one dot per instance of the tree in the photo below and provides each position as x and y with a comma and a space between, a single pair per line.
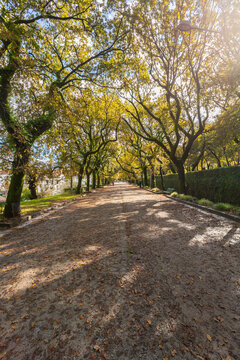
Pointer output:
45, 48
170, 99
88, 125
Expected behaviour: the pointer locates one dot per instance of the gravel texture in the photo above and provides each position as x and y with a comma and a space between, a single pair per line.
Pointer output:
122, 274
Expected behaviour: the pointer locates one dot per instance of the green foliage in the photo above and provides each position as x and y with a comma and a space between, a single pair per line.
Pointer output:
205, 202
32, 206
26, 195
217, 185
223, 207
187, 197
183, 197
218, 206
2, 204
156, 190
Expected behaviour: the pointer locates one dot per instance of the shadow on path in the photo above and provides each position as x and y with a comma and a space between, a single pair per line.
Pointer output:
121, 274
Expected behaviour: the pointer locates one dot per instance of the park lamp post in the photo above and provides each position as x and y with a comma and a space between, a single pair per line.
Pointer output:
186, 26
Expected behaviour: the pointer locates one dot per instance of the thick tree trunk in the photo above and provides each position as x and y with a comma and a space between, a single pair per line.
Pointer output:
88, 181
181, 178
98, 181
145, 177
12, 206
94, 179
32, 186
80, 177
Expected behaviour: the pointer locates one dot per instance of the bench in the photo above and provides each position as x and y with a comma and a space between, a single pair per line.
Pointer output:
169, 191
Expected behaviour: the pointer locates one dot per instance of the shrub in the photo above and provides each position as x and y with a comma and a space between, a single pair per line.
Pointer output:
157, 190
187, 197
205, 202
217, 185
223, 207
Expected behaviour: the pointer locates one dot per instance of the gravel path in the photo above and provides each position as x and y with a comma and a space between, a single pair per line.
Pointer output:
122, 274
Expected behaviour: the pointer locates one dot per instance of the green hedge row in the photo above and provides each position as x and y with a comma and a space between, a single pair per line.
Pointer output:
217, 185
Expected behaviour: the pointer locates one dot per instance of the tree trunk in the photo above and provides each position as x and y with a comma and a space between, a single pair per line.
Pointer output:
161, 175
145, 177
32, 186
94, 179
152, 178
80, 177
88, 181
98, 181
224, 151
181, 178
217, 158
12, 206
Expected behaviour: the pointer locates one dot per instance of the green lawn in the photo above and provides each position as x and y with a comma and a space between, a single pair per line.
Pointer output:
29, 207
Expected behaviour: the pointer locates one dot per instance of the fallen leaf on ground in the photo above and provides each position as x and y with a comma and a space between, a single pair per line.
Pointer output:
209, 337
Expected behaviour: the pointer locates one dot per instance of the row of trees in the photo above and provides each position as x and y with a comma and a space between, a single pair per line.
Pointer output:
117, 80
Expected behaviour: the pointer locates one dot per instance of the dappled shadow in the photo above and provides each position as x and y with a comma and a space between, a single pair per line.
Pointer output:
121, 274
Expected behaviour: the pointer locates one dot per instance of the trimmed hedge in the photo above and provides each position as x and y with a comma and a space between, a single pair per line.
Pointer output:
217, 185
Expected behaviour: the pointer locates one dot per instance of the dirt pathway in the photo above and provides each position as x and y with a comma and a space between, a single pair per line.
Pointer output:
123, 274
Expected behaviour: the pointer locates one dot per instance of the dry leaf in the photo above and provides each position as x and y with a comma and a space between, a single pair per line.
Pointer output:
149, 322
173, 352
209, 337
97, 348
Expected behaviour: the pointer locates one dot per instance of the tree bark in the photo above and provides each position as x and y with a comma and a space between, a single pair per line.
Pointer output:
12, 206
161, 175
152, 178
181, 178
145, 177
88, 181
98, 181
80, 177
94, 179
32, 186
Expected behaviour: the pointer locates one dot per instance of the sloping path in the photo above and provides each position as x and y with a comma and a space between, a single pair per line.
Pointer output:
123, 274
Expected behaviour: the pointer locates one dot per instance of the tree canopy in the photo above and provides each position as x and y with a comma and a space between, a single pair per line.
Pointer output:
116, 86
